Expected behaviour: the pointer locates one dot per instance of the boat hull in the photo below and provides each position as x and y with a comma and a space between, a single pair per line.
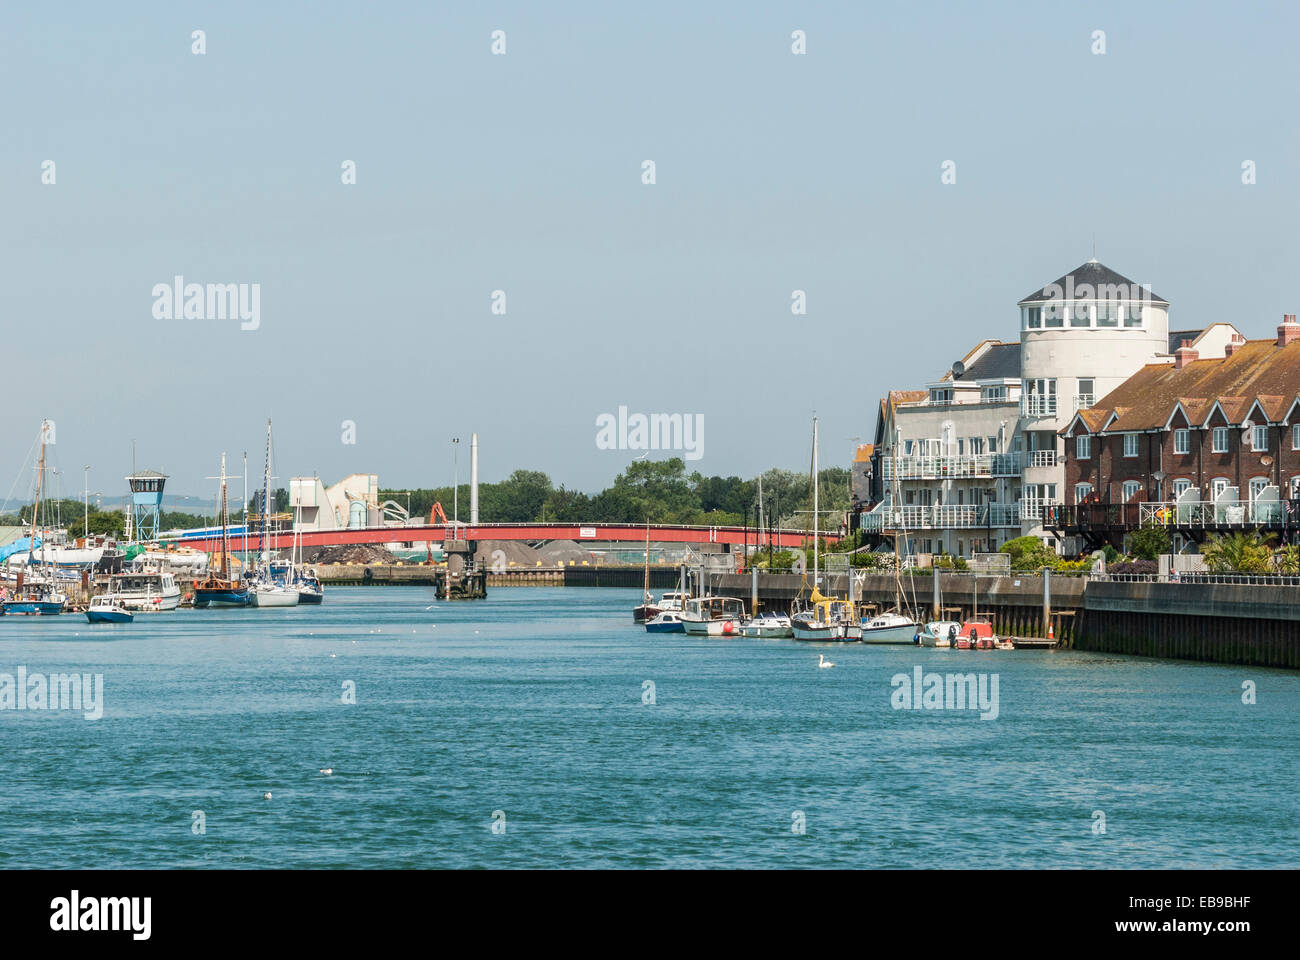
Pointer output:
710, 628
109, 616
274, 598
824, 632
899, 634
32, 608
665, 627
310, 596
155, 604
767, 633
220, 598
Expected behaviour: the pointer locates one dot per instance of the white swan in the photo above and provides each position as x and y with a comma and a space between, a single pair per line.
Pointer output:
266, 796
822, 662
328, 771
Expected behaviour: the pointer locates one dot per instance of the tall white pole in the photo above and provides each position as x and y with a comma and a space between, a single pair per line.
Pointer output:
473, 479
816, 550
85, 502
455, 490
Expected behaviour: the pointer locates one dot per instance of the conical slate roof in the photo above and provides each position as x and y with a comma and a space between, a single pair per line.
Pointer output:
1100, 278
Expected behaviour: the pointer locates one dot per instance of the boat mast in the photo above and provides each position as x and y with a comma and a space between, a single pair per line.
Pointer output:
225, 519
266, 497
647, 560
816, 538
36, 509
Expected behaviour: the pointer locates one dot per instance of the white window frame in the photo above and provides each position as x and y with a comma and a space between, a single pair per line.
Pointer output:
1259, 438
1295, 437
1179, 485
1182, 441
1130, 489
1217, 434
1130, 443
1082, 491
1083, 447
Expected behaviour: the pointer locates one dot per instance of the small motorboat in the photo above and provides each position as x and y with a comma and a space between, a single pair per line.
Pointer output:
107, 608
975, 635
828, 620
889, 628
666, 622
939, 633
767, 626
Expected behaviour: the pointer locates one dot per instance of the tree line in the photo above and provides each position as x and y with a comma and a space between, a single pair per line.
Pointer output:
658, 490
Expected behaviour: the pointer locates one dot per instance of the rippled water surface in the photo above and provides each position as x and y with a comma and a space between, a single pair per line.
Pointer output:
529, 706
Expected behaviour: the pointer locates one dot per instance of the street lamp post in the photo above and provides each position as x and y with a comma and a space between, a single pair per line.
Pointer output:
455, 492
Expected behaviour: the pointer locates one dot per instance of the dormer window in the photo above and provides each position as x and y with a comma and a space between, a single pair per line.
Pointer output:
938, 395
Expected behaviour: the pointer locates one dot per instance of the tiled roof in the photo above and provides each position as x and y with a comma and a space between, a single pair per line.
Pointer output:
1258, 370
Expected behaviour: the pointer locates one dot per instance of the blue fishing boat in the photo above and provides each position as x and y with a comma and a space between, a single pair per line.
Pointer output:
667, 622
108, 609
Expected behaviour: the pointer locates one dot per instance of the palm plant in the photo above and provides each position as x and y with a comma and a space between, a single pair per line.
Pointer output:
1238, 553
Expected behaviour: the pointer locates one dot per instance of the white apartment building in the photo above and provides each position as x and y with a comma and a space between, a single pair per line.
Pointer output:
977, 454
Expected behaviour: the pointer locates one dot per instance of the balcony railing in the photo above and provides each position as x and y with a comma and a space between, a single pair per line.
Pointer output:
1084, 400
1036, 509
937, 468
1037, 406
943, 516
1041, 458
1199, 514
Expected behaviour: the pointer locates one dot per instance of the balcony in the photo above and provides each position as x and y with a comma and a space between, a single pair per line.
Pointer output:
1184, 516
1041, 458
937, 468
943, 516
1034, 405
1036, 510
1084, 400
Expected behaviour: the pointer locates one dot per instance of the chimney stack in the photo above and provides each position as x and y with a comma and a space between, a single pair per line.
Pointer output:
1230, 349
1185, 355
1288, 330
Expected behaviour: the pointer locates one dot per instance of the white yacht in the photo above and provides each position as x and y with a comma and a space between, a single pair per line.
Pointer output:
713, 616
146, 591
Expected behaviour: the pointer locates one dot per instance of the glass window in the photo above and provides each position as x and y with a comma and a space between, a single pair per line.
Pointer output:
1131, 488
1053, 314
1182, 441
1133, 315
1257, 486
1082, 492
1260, 439
1220, 440
1181, 485
1295, 437
1107, 315
1218, 485
1083, 447
1033, 317
1130, 445
1080, 315
993, 444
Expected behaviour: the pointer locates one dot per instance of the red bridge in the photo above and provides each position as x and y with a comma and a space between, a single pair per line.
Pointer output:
531, 532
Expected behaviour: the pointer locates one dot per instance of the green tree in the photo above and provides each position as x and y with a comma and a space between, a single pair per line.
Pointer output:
1150, 541
1028, 554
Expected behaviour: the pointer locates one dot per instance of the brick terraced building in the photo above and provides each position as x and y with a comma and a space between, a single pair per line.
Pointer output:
1199, 446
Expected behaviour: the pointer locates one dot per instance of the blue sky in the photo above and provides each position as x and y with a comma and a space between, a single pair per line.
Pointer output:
522, 173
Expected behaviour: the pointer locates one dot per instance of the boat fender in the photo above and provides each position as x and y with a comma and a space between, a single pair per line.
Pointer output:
952, 632
367, 574
728, 628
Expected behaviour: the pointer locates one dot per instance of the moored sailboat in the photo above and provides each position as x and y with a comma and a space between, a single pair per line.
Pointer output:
218, 590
